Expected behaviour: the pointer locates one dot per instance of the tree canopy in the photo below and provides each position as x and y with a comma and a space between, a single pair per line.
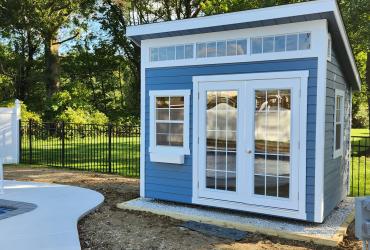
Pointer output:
67, 56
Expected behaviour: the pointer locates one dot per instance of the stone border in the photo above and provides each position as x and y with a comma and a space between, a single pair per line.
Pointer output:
18, 206
332, 241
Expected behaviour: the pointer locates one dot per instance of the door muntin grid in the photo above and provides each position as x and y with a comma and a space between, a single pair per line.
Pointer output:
272, 136
221, 140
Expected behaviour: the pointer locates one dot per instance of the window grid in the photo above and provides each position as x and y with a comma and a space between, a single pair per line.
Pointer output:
290, 42
278, 177
217, 153
232, 47
175, 52
338, 122
171, 122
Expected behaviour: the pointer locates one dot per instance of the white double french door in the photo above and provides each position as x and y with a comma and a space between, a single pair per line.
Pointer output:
249, 141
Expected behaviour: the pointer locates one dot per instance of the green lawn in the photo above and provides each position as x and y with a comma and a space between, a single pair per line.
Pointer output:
87, 153
91, 153
360, 163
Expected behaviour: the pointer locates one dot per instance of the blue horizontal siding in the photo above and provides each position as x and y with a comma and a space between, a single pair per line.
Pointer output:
335, 183
174, 182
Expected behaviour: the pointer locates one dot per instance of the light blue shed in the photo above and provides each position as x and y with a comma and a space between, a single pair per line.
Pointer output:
248, 111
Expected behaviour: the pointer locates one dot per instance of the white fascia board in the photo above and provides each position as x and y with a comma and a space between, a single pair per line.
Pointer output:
247, 16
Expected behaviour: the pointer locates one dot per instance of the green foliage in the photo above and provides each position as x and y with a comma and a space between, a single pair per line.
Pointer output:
80, 116
27, 115
361, 117
99, 70
356, 16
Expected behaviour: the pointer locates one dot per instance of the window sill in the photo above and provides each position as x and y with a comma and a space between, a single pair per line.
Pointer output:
337, 154
167, 157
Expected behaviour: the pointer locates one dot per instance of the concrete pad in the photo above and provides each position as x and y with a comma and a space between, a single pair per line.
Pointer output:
329, 233
53, 223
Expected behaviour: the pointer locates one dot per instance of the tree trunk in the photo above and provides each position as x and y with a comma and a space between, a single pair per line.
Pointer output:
368, 85
51, 65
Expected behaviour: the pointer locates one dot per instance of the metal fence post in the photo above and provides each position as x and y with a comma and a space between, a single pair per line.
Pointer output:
30, 139
110, 147
63, 144
20, 140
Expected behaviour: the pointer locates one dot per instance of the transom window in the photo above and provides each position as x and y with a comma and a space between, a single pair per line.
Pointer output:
221, 48
170, 120
338, 123
280, 43
178, 52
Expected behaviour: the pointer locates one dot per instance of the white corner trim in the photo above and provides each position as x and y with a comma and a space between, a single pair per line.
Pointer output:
320, 128
338, 152
144, 60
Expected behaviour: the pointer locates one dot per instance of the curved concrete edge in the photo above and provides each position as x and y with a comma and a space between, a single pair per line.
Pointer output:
53, 224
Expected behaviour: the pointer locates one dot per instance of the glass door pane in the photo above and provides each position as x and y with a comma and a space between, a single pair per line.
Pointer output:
272, 129
221, 140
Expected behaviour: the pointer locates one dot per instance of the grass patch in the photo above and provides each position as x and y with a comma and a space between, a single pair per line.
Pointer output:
85, 153
360, 163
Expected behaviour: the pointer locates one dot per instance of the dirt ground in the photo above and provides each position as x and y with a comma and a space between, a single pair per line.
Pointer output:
112, 228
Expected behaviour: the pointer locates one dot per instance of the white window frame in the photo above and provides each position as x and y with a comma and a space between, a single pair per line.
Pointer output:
168, 154
338, 152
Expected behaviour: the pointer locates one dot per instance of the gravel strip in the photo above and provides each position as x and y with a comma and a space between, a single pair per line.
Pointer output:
325, 230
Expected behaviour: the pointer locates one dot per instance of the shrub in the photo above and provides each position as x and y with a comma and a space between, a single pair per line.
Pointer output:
81, 116
361, 118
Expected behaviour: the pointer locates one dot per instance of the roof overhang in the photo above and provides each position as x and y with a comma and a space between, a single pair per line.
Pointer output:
283, 14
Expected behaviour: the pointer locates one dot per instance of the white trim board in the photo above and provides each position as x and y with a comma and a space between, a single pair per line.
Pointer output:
320, 126
300, 213
291, 28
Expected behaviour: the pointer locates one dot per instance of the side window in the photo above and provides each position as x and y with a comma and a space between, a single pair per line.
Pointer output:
169, 125
338, 123
169, 121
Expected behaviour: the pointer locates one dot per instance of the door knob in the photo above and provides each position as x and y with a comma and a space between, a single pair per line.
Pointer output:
248, 151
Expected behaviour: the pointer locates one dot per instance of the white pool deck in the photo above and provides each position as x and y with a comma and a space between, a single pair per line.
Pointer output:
53, 224
329, 233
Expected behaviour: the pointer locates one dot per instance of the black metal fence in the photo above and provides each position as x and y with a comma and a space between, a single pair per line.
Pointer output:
360, 166
101, 148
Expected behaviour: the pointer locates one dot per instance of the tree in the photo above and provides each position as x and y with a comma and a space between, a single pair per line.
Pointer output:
51, 16
17, 28
356, 15
117, 15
